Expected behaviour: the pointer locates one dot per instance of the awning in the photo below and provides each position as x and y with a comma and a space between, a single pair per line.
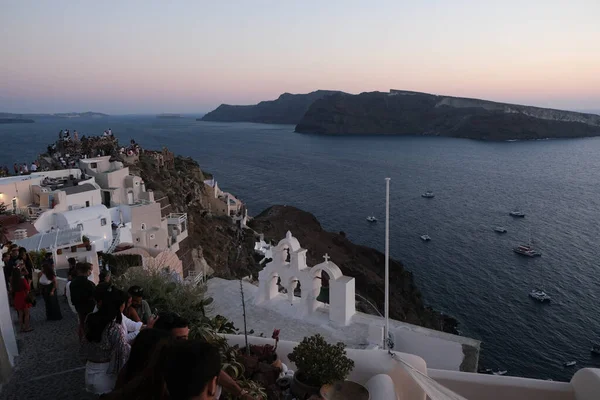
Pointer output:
56, 239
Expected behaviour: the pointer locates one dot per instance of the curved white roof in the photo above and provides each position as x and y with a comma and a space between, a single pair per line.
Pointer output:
82, 214
290, 241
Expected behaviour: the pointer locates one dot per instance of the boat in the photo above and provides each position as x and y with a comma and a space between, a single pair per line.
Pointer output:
428, 195
425, 238
372, 218
517, 214
539, 295
502, 372
595, 350
570, 363
526, 250
500, 229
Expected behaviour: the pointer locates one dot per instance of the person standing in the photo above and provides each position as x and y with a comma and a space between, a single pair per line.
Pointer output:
20, 290
82, 294
104, 345
33, 167
24, 256
49, 287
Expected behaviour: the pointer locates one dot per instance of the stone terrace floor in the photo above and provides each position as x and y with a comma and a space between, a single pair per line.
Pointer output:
48, 365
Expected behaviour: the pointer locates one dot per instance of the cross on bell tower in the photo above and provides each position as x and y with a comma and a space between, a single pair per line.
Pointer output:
326, 257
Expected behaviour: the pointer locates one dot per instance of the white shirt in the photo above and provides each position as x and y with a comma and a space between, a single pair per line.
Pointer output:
130, 328
44, 280
33, 167
68, 292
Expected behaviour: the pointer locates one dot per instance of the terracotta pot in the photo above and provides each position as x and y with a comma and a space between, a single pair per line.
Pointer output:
59, 251
345, 390
301, 390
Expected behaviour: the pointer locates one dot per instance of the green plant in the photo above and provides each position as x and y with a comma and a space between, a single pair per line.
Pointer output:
220, 324
255, 390
119, 264
319, 362
37, 257
85, 239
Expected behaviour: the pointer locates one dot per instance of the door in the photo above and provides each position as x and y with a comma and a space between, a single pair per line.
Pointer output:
106, 199
14, 205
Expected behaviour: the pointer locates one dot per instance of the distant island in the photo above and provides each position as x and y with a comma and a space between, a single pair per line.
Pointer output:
169, 116
402, 112
15, 120
88, 114
287, 109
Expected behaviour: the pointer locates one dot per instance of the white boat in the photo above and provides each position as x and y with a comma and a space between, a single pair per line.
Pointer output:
500, 229
517, 214
428, 195
570, 363
425, 238
372, 218
503, 372
539, 295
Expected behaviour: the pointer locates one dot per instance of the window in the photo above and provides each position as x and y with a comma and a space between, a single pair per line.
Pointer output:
94, 165
143, 227
137, 183
87, 203
137, 239
152, 236
102, 221
80, 226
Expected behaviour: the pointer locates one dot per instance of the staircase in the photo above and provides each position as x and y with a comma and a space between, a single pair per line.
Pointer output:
115, 242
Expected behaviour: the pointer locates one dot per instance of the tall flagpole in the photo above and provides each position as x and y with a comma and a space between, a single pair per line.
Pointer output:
386, 331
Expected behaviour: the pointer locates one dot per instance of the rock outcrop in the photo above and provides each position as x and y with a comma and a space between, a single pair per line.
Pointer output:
413, 113
363, 263
287, 109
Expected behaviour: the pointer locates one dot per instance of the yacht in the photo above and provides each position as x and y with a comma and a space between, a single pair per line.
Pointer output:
428, 195
500, 229
526, 250
570, 363
503, 372
517, 214
425, 238
539, 295
372, 218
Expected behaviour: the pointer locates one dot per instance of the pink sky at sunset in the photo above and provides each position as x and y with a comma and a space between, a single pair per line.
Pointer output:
188, 57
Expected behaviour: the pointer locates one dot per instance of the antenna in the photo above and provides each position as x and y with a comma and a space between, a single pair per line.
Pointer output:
387, 261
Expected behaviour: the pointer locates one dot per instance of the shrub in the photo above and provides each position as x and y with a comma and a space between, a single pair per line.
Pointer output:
119, 264
319, 362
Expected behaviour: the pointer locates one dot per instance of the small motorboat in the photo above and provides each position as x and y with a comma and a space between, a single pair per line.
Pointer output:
595, 350
425, 238
502, 372
486, 371
428, 195
539, 295
570, 363
527, 250
517, 214
372, 218
500, 229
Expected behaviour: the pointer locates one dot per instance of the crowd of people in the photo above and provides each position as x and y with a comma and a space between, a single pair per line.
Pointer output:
130, 352
20, 169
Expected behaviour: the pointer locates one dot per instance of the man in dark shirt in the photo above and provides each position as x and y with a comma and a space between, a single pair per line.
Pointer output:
82, 293
7, 268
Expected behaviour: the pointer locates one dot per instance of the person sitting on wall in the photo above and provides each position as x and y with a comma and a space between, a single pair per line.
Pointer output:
139, 309
180, 330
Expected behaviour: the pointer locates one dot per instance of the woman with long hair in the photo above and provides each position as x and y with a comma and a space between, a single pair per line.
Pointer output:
20, 289
48, 286
24, 256
105, 345
147, 343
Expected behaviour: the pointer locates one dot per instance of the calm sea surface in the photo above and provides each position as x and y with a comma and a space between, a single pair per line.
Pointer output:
467, 270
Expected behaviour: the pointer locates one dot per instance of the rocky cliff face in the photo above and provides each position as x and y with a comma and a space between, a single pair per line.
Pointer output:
287, 109
414, 113
363, 263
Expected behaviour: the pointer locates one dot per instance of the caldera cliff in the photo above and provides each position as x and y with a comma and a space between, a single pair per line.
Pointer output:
287, 109
412, 113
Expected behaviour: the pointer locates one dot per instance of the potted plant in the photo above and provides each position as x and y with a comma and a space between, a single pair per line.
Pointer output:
318, 363
59, 251
86, 242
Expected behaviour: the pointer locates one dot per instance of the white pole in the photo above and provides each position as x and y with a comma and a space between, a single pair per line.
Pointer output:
386, 331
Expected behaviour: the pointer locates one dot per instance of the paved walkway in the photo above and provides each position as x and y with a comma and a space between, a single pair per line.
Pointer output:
48, 365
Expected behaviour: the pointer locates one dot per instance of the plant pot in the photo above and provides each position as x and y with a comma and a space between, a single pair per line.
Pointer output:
301, 390
345, 390
59, 251
73, 249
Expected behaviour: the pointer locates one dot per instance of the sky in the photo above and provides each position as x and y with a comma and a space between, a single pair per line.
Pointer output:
134, 56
